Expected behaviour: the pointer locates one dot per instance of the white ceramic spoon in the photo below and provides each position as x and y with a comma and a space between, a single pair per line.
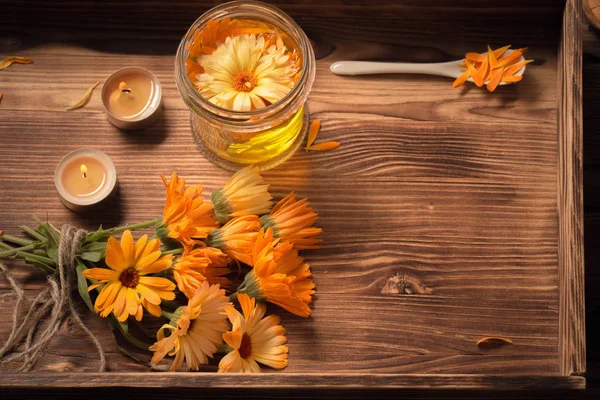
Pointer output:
451, 69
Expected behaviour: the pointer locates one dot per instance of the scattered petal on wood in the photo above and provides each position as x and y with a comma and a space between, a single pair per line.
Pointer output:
7, 62
1, 102
325, 146
85, 98
492, 342
313, 132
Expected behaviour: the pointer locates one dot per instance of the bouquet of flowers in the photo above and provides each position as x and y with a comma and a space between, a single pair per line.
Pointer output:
185, 272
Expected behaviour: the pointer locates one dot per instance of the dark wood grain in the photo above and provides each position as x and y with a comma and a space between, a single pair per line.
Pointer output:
314, 380
570, 197
457, 188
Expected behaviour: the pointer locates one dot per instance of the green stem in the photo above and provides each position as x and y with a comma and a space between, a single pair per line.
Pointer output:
168, 315
33, 233
95, 236
173, 251
14, 251
133, 227
5, 246
16, 240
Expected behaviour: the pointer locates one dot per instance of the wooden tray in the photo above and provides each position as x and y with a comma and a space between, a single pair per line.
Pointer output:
475, 195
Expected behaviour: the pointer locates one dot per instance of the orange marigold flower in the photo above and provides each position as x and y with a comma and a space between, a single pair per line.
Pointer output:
236, 237
244, 194
186, 217
279, 275
292, 221
253, 339
195, 331
201, 264
126, 287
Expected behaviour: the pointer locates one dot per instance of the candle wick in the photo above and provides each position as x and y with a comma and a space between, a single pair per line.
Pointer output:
85, 175
126, 90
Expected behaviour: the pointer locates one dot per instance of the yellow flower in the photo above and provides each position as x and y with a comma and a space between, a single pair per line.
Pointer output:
196, 330
279, 275
247, 73
292, 220
126, 287
253, 339
236, 237
186, 216
244, 194
201, 264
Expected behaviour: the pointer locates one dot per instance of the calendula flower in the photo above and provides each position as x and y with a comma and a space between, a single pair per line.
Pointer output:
279, 275
186, 217
236, 237
247, 72
126, 287
244, 194
200, 264
195, 331
253, 339
292, 221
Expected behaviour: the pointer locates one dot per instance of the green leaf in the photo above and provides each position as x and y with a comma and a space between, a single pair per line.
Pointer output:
82, 285
93, 256
95, 246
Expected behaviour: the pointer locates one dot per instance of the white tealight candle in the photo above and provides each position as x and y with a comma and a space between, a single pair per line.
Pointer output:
132, 98
84, 177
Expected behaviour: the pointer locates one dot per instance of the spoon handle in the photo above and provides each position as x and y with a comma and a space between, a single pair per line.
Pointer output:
450, 69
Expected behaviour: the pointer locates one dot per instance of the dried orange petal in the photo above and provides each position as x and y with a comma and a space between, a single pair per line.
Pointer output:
84, 99
513, 69
325, 146
511, 58
484, 69
475, 57
313, 132
498, 52
495, 77
7, 62
474, 74
460, 80
492, 58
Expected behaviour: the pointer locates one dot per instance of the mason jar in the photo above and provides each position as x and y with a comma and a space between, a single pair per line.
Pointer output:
263, 137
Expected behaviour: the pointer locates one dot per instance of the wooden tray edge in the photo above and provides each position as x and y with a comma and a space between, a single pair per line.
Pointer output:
571, 342
287, 381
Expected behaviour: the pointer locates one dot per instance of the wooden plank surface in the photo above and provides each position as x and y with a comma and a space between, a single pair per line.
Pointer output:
457, 188
570, 207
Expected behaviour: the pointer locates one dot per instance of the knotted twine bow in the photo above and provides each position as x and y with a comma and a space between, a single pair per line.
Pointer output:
54, 300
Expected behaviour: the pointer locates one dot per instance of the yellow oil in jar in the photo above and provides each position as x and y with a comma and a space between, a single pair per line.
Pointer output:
267, 144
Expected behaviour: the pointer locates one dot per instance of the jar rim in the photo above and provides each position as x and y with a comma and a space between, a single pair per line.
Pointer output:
274, 16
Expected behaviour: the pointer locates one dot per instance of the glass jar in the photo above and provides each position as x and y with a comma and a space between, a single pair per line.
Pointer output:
263, 137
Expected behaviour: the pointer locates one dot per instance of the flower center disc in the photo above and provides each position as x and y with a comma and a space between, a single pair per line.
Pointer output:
129, 277
246, 346
244, 81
